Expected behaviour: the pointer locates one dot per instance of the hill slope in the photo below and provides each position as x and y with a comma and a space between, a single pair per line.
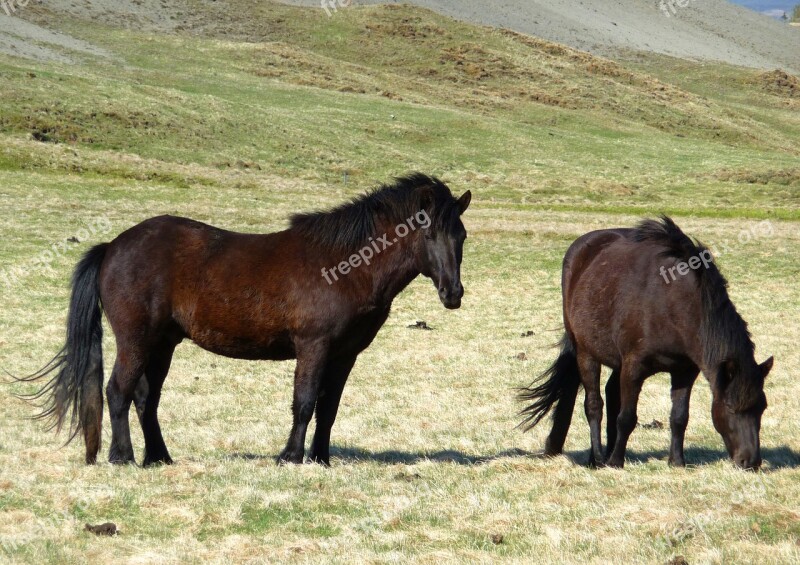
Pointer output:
376, 91
709, 29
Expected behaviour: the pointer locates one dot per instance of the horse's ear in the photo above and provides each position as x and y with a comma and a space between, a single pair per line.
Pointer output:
766, 367
463, 202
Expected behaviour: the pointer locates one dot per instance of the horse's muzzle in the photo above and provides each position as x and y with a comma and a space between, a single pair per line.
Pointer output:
451, 297
747, 462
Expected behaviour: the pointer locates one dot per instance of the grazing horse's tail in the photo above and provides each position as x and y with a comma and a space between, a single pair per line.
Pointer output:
78, 380
558, 384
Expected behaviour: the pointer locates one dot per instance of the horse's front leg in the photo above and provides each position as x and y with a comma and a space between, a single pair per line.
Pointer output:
631, 380
311, 360
333, 381
682, 384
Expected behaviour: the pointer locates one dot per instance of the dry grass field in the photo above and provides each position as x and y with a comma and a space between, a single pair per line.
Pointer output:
254, 113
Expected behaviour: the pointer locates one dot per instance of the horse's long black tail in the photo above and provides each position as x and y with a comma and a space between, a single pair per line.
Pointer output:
558, 384
77, 381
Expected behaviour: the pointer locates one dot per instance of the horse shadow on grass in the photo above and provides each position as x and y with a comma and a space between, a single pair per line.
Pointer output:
781, 457
355, 454
775, 458
397, 457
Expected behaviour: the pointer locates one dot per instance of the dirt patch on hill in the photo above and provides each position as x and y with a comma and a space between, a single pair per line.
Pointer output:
410, 28
780, 83
781, 177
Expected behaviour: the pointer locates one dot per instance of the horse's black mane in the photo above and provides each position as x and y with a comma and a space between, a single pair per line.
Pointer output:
723, 332
348, 226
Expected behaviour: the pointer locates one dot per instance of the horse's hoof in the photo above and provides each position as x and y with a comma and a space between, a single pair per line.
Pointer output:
289, 459
165, 460
320, 461
595, 464
551, 450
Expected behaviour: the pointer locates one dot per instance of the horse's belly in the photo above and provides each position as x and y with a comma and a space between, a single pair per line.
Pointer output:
241, 347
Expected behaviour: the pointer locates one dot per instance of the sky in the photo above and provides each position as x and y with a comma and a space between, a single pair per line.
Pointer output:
771, 7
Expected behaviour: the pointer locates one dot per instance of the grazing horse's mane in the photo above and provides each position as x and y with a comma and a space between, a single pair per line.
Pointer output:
723, 332
348, 226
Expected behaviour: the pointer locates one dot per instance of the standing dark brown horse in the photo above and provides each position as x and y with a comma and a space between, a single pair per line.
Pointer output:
643, 301
318, 292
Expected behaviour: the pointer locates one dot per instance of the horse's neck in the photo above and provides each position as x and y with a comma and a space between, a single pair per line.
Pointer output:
745, 363
728, 342
394, 270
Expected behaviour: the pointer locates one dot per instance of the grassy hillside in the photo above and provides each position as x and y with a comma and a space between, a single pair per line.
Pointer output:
377, 91
250, 111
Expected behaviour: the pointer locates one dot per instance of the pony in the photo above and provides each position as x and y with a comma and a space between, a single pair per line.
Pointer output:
641, 301
317, 292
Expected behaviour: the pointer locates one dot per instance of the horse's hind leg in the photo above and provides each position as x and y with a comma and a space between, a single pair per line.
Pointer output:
682, 383
128, 369
562, 418
333, 381
147, 397
612, 410
593, 404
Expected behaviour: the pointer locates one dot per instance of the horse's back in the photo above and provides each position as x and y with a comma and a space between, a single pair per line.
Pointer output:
584, 251
189, 279
170, 250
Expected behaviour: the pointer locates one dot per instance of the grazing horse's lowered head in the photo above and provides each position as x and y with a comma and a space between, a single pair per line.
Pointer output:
737, 406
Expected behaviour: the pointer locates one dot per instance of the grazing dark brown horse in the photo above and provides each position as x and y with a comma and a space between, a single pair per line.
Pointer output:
643, 301
318, 292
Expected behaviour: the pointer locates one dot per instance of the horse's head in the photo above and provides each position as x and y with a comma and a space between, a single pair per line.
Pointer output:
736, 410
441, 248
